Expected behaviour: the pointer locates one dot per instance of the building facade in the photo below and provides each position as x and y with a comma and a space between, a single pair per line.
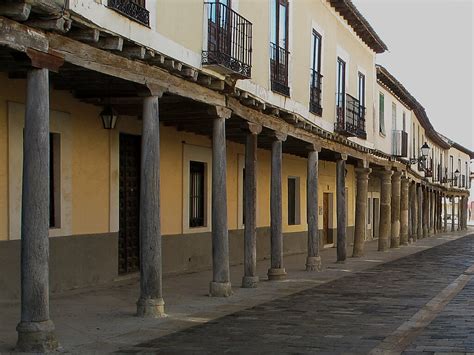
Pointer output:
140, 138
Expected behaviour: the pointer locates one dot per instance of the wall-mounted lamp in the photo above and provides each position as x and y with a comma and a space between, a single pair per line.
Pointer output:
109, 117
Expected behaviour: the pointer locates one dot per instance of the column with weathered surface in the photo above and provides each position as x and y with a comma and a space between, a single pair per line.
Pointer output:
435, 212
313, 260
430, 212
404, 197
459, 213
426, 212
276, 271
250, 278
220, 285
445, 210
453, 208
385, 210
395, 210
150, 303
362, 176
414, 212
35, 330
341, 207
420, 205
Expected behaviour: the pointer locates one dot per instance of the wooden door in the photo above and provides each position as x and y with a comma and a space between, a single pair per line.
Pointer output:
129, 201
327, 235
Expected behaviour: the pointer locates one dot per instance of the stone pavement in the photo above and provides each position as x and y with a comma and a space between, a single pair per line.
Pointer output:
349, 307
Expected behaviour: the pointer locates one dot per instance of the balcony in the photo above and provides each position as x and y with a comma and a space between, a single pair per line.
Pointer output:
350, 117
279, 69
229, 42
133, 9
315, 93
399, 143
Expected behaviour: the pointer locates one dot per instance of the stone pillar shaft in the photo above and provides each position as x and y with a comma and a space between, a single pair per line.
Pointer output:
150, 302
395, 211
220, 285
420, 204
341, 209
362, 176
453, 206
459, 213
313, 260
404, 211
277, 271
414, 212
385, 210
35, 330
250, 278
445, 204
426, 212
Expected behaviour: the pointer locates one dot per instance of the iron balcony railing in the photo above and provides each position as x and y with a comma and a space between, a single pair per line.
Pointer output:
315, 93
133, 9
279, 69
350, 117
229, 40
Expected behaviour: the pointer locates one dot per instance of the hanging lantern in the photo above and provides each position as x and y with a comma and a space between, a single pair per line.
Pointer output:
109, 117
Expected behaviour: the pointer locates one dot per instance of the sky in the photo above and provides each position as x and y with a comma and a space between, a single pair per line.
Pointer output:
431, 53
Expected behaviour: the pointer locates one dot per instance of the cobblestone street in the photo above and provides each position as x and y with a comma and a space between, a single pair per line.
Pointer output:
373, 310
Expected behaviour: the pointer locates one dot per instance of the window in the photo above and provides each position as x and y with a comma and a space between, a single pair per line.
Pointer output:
293, 201
404, 122
381, 114
413, 149
361, 89
341, 83
460, 172
451, 167
197, 194
394, 116
54, 180
315, 73
133, 9
279, 47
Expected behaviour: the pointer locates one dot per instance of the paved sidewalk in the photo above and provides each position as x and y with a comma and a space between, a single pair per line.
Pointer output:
101, 319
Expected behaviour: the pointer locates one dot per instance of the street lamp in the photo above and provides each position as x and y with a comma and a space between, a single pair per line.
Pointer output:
425, 151
109, 117
453, 179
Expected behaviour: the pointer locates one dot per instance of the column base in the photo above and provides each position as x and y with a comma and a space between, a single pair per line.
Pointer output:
250, 281
275, 274
313, 263
220, 289
151, 308
36, 337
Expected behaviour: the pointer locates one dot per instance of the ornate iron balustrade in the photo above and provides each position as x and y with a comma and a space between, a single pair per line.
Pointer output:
279, 69
131, 9
229, 41
315, 93
350, 117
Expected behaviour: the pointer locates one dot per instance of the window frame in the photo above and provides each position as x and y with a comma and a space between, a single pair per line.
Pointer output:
381, 113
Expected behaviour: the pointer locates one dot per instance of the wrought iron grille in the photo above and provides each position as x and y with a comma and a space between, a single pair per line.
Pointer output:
133, 9
350, 116
279, 69
229, 39
315, 93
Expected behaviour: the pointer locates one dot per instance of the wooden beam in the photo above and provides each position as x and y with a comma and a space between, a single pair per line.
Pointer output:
18, 11
21, 37
60, 24
134, 52
88, 35
172, 64
110, 43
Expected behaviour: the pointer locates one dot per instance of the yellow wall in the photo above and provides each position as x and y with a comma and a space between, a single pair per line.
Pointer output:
92, 177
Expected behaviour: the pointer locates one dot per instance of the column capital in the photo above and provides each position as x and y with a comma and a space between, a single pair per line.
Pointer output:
251, 127
341, 156
279, 136
220, 112
363, 172
156, 90
41, 60
397, 174
314, 147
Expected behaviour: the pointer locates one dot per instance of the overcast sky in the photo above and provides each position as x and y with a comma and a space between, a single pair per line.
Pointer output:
431, 53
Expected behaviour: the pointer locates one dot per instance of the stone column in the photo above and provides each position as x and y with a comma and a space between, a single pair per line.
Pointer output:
395, 210
250, 278
385, 210
276, 271
362, 176
435, 212
220, 285
341, 207
150, 303
414, 212
313, 260
430, 212
420, 205
459, 213
35, 330
426, 213
453, 207
404, 211
445, 209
